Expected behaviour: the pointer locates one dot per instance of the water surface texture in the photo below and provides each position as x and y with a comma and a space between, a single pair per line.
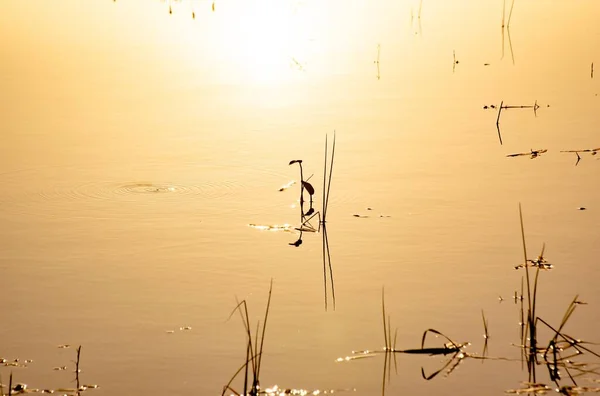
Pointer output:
138, 144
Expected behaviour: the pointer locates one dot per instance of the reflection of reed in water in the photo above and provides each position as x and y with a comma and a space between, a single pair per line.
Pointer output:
560, 355
591, 151
306, 216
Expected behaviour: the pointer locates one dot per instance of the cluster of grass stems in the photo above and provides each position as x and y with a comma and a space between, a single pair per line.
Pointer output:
553, 354
254, 351
556, 354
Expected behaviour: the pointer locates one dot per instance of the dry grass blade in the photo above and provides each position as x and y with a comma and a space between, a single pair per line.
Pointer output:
499, 112
242, 367
486, 336
435, 373
326, 254
327, 261
525, 257
326, 203
77, 368
485, 325
385, 336
568, 313
510, 14
253, 352
452, 343
262, 338
324, 179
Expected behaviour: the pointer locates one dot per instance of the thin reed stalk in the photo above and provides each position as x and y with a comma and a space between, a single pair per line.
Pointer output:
254, 353
510, 14
77, 368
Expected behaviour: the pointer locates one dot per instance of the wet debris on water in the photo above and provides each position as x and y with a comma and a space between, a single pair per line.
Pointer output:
539, 262
15, 362
360, 216
63, 346
591, 151
370, 209
455, 62
532, 153
287, 185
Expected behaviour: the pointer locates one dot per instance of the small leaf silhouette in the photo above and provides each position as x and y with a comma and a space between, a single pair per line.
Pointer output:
308, 187
297, 243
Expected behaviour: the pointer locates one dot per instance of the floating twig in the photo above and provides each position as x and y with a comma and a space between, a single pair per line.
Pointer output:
591, 151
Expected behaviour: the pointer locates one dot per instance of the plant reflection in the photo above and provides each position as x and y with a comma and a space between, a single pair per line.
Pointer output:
309, 215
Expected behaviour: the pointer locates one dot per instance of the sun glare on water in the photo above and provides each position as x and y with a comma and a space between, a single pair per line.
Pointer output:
265, 42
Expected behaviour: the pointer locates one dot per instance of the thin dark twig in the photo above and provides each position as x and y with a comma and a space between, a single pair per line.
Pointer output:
324, 178
245, 365
512, 54
510, 14
329, 181
77, 368
262, 338
326, 243
385, 337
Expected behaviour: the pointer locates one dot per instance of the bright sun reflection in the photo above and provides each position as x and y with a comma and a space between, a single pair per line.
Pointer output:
264, 41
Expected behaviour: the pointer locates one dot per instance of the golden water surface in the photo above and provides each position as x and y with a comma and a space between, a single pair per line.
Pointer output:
138, 144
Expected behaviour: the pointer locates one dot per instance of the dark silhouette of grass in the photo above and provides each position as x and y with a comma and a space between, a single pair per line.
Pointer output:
254, 350
557, 355
77, 370
486, 336
307, 216
560, 342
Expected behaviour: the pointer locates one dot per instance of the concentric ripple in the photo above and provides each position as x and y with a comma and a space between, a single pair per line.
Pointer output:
86, 192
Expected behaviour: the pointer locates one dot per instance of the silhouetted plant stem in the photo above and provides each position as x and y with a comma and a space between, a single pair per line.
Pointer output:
253, 353
77, 368
499, 111
329, 179
510, 14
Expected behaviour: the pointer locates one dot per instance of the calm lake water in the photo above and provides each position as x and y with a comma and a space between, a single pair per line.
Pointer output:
138, 145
